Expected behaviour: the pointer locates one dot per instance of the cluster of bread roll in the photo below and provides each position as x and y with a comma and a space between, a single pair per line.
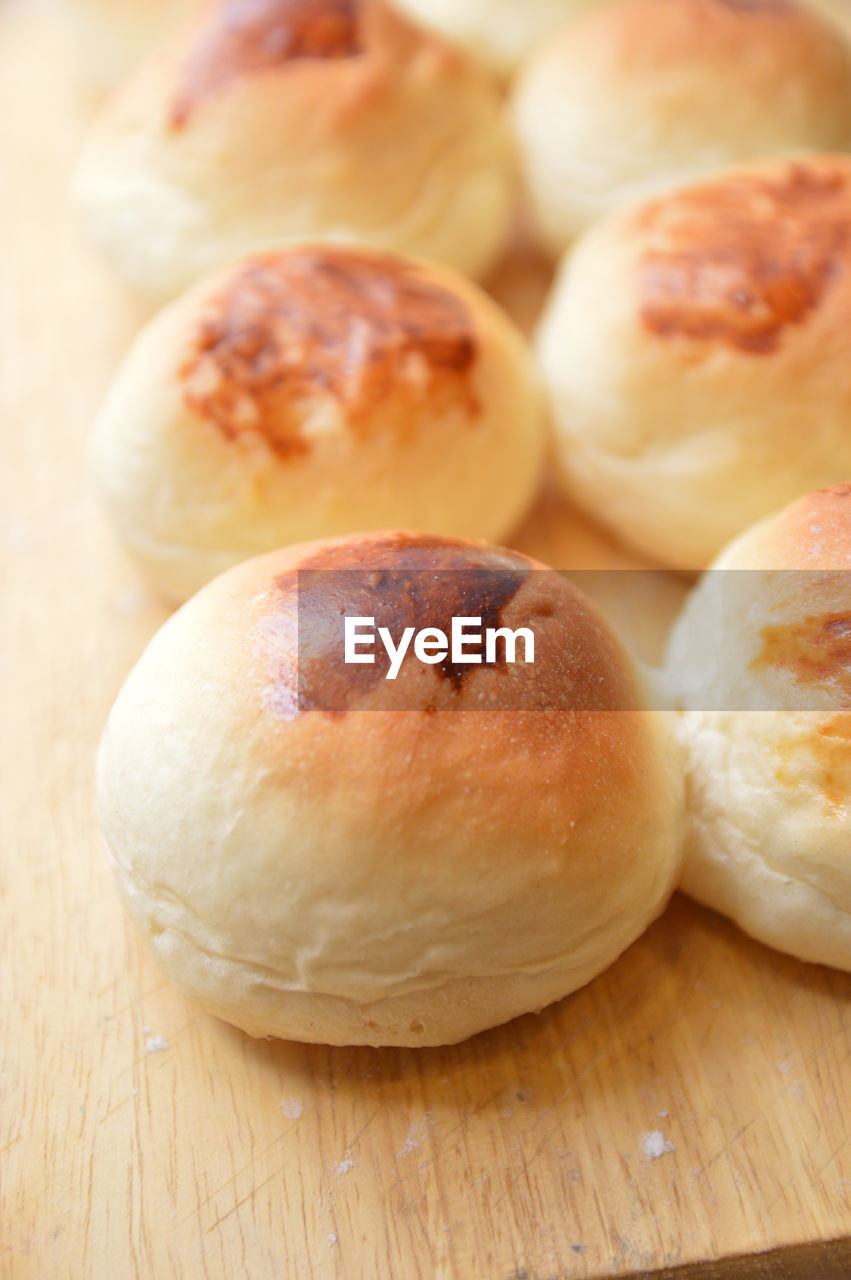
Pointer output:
326, 199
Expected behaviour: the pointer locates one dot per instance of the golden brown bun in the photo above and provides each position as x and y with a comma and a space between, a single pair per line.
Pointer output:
501, 33
696, 357
642, 96
267, 119
315, 391
761, 660
351, 870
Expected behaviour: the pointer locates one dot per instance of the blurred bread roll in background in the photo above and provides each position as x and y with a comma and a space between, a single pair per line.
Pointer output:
500, 33
695, 350
351, 861
267, 119
641, 96
111, 36
761, 660
318, 390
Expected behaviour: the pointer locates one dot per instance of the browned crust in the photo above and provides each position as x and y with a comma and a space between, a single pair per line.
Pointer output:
243, 37
741, 260
815, 650
333, 321
419, 580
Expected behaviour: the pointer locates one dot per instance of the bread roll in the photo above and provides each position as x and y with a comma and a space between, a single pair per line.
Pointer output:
761, 659
315, 391
695, 351
112, 35
642, 96
351, 861
500, 33
267, 119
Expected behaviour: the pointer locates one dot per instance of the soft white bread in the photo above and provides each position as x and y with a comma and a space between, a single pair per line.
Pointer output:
500, 33
761, 657
315, 391
112, 35
644, 95
696, 356
266, 119
351, 861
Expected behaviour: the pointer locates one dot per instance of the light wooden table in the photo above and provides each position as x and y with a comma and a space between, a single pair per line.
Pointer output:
521, 1154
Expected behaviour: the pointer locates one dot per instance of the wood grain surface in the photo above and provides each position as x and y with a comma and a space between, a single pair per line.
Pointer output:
142, 1138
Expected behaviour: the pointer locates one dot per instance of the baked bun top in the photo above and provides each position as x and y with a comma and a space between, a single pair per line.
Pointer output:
746, 259
641, 97
404, 579
243, 39
694, 347
744, 276
812, 534
310, 392
354, 325
634, 36
341, 59
748, 50
259, 120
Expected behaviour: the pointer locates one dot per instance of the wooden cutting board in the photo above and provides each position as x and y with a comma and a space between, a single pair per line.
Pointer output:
143, 1138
